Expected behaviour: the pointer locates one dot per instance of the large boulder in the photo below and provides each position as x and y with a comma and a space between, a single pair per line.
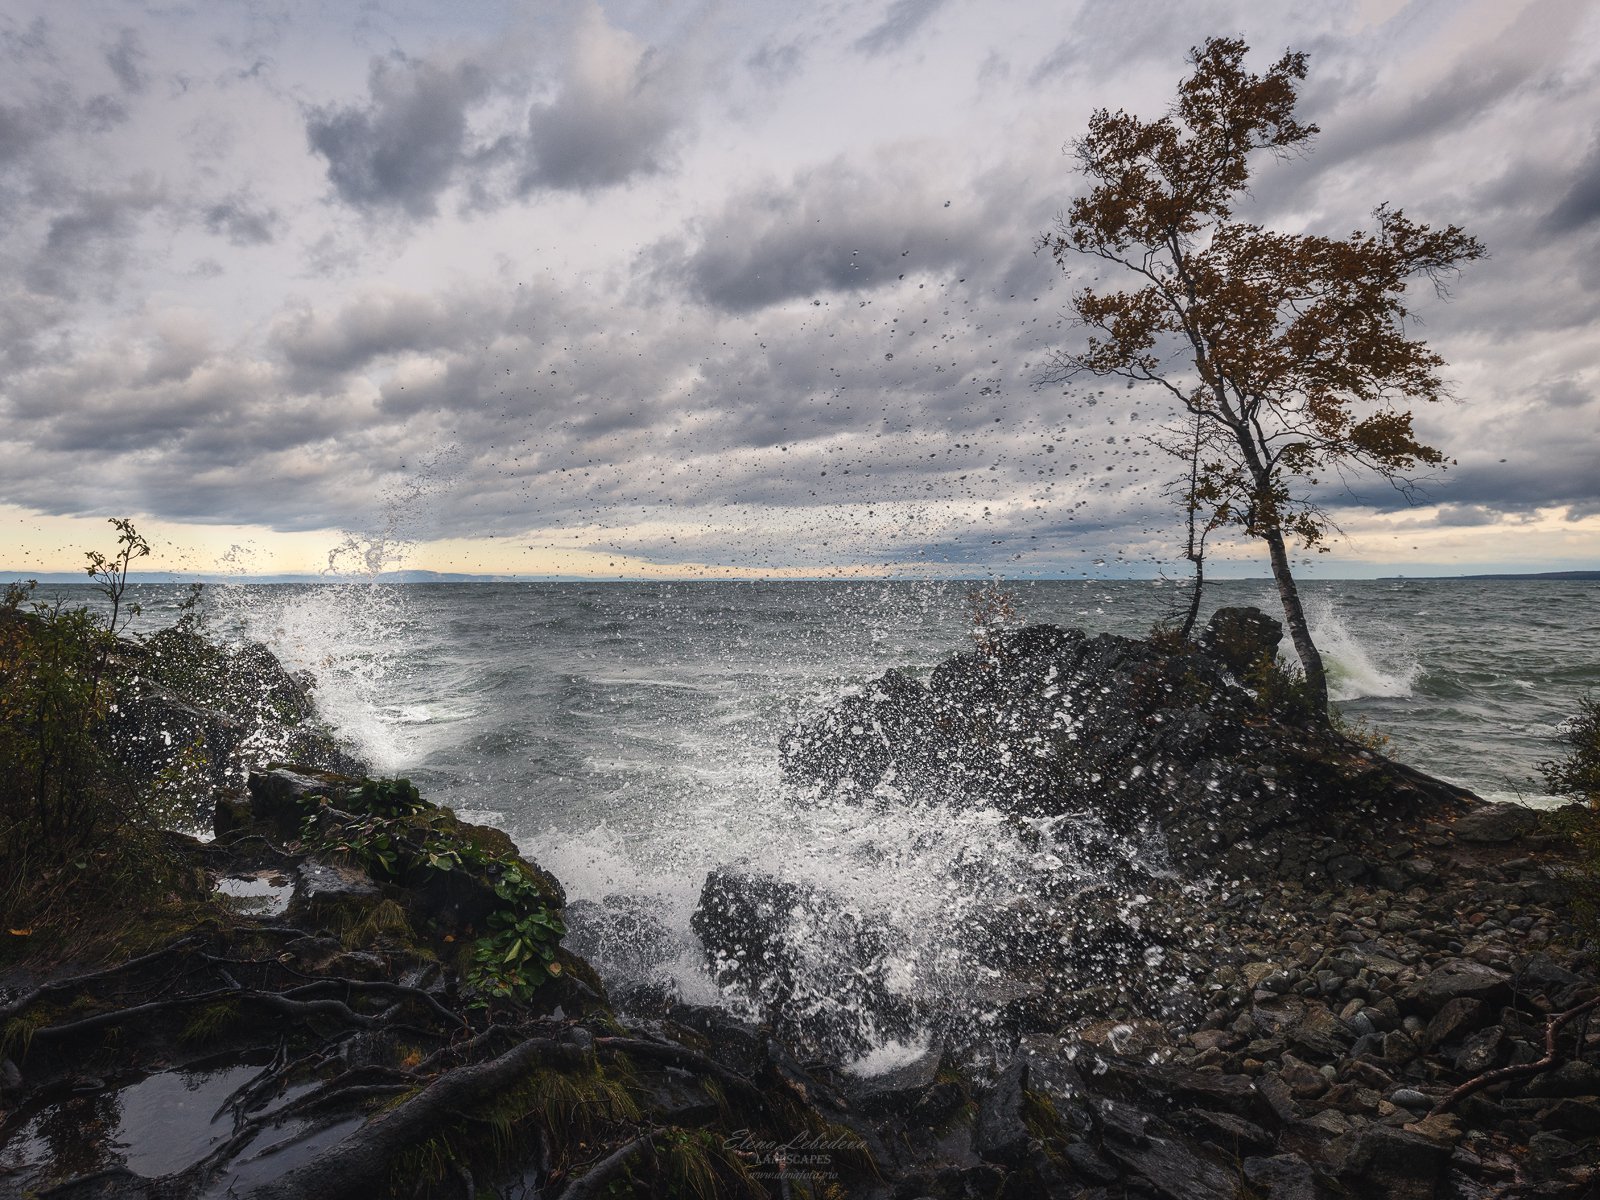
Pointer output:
1242, 639
1139, 735
814, 965
1496, 823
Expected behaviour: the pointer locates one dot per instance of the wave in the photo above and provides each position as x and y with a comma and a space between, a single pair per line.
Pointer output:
1354, 671
351, 640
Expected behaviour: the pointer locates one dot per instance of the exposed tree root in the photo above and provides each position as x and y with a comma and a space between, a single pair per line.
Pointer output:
1553, 1057
76, 982
607, 1169
688, 1060
353, 1167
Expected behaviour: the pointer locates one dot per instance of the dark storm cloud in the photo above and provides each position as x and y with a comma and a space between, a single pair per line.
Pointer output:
321, 347
598, 137
1098, 43
800, 370
776, 62
1581, 205
567, 428
126, 58
87, 245
1465, 515
1454, 103
22, 127
617, 113
833, 229
402, 147
899, 25
242, 223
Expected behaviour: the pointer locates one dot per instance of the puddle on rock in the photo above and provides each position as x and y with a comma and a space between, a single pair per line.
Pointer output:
154, 1127
258, 894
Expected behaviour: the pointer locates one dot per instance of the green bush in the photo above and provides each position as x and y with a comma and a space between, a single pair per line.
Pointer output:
1577, 775
70, 814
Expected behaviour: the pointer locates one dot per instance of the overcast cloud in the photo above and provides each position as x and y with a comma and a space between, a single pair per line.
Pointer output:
750, 287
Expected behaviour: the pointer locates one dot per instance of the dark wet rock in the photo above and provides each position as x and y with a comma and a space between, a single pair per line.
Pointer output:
332, 893
1457, 1018
899, 1088
1151, 1151
1546, 1152
231, 814
1278, 1100
1090, 1164
1132, 1079
1577, 1078
279, 795
1285, 1177
1541, 974
1224, 1130
1000, 1134
1462, 979
718, 1033
1321, 1034
153, 727
1410, 1098
1580, 1115
1496, 823
1391, 1163
1242, 639
10, 1076
456, 900
194, 705
816, 965
1050, 721
1483, 1051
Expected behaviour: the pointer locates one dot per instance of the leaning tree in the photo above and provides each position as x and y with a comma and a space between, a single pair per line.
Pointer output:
1291, 349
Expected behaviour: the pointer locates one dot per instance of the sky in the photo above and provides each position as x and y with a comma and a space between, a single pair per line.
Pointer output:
726, 289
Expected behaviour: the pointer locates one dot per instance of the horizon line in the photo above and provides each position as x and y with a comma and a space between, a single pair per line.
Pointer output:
419, 577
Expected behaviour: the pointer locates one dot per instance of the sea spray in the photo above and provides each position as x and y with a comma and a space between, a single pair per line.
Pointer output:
1354, 671
627, 734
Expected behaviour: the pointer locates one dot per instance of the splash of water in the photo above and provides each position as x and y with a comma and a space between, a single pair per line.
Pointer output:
343, 637
1354, 671
925, 881
354, 637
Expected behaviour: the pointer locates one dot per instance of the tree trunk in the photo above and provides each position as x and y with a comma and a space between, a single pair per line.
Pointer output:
1194, 595
1295, 615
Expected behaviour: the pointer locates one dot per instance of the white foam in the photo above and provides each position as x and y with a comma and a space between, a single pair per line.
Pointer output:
345, 636
890, 1056
1354, 671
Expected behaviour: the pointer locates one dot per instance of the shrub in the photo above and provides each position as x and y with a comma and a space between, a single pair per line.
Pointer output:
1578, 775
70, 814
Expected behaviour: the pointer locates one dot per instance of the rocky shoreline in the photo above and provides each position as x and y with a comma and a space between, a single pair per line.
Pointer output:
1307, 993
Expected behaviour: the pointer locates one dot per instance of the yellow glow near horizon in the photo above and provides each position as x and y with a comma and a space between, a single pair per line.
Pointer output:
34, 543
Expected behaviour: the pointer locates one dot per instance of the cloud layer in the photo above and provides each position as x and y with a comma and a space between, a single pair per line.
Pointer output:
726, 286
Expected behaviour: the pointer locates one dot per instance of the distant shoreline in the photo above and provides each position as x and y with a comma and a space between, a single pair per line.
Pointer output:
1553, 575
407, 578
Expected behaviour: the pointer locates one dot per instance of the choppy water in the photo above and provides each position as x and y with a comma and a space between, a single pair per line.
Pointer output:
626, 734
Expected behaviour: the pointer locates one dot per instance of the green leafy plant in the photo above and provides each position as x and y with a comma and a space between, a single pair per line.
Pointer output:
73, 816
517, 955
394, 834
390, 798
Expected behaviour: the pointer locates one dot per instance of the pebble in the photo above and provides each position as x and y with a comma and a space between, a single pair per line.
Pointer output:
1410, 1098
